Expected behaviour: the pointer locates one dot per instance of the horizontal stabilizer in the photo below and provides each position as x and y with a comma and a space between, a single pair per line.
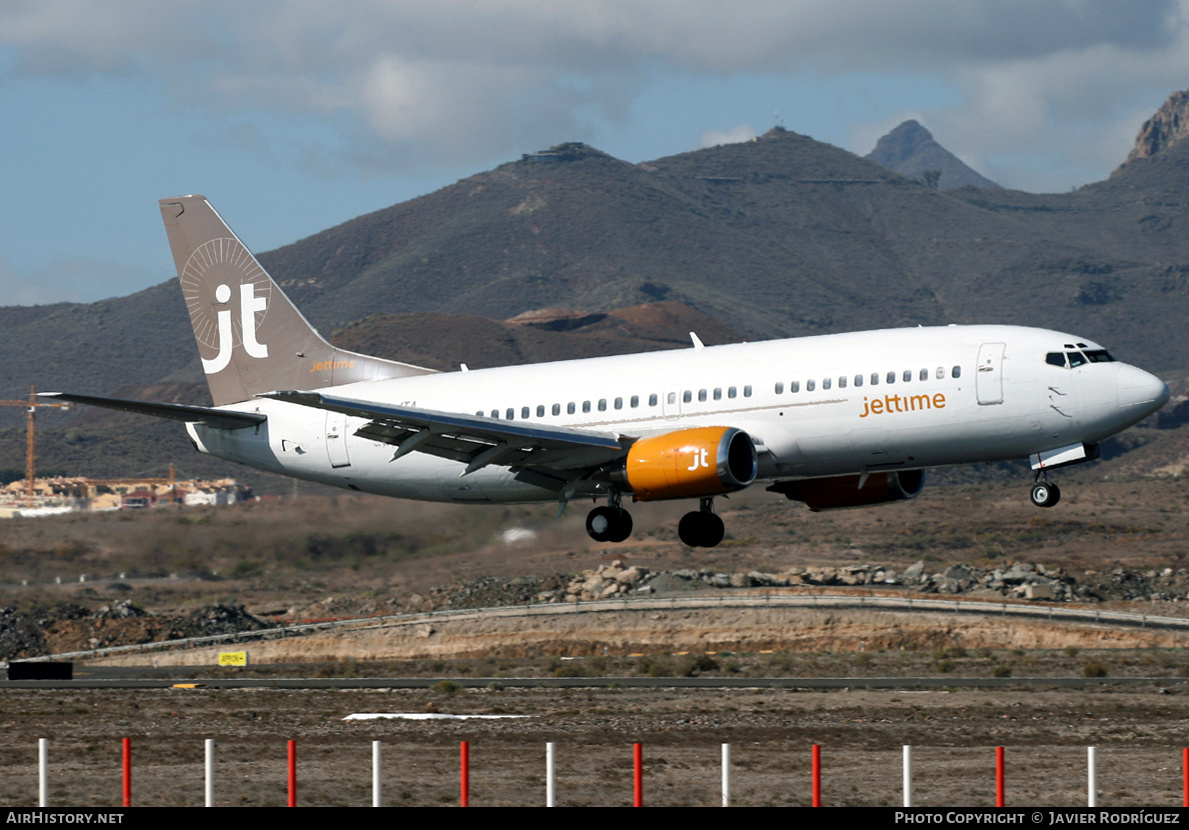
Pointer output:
207, 416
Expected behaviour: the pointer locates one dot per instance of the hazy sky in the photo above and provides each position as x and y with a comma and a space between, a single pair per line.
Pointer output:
295, 116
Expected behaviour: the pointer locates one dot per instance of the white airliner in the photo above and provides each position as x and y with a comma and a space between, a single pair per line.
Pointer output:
843, 420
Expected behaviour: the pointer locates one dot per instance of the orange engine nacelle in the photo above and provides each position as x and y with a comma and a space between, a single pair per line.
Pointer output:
844, 491
690, 463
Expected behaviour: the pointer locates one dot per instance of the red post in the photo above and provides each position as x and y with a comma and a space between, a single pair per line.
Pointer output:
465, 775
293, 773
1000, 800
638, 775
127, 746
1185, 777
817, 776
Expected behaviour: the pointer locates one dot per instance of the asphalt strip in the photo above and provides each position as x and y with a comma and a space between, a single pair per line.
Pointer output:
426, 716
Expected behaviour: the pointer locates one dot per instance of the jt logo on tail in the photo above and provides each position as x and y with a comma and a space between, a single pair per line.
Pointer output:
249, 304
279, 346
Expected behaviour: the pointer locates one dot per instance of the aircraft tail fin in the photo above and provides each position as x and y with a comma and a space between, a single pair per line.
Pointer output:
252, 339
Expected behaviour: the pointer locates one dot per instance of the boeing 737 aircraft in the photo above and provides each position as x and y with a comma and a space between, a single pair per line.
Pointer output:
842, 420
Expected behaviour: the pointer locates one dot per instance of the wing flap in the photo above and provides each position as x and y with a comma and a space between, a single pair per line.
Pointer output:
470, 439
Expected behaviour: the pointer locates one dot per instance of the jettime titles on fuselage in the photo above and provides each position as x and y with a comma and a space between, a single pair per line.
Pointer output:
329, 365
892, 404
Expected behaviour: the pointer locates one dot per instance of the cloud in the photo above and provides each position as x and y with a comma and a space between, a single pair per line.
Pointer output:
735, 135
456, 81
1075, 114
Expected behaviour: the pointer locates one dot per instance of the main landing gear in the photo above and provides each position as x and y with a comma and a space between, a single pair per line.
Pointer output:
1043, 493
611, 523
699, 529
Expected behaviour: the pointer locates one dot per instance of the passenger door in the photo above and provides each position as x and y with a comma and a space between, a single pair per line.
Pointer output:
336, 439
988, 381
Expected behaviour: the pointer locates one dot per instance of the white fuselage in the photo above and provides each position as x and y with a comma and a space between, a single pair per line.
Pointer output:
866, 401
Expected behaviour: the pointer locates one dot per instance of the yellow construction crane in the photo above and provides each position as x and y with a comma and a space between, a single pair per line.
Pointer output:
30, 436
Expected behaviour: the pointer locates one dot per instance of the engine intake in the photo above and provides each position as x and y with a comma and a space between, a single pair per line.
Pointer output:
844, 491
690, 463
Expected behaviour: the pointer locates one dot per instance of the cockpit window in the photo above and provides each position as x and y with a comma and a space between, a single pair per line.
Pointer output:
1073, 359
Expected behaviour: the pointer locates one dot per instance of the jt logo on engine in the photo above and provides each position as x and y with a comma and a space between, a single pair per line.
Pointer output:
249, 304
699, 460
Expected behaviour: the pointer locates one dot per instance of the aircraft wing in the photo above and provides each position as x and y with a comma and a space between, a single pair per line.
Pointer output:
205, 415
539, 453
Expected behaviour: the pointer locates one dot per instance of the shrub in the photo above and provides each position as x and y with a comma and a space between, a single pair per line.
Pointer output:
692, 665
446, 687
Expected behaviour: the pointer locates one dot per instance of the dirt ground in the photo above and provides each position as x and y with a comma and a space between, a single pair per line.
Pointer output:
1139, 732
347, 555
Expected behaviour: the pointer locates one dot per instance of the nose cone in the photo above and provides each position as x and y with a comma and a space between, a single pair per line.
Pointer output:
1136, 388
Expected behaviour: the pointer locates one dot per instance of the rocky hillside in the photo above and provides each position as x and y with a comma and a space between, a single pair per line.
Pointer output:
1168, 126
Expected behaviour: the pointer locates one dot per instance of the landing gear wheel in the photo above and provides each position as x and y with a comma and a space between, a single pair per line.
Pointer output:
713, 529
621, 525
609, 524
701, 529
1045, 495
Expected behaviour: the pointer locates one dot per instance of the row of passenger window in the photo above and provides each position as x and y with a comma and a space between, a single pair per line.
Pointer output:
571, 408
618, 403
859, 380
717, 394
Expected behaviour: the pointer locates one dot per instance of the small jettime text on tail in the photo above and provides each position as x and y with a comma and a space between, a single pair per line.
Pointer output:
836, 421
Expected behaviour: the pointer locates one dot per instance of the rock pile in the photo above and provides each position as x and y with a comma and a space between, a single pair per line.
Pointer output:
120, 610
607, 581
70, 627
1022, 580
218, 618
20, 634
489, 592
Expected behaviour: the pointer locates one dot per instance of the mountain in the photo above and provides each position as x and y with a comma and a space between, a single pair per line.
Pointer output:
442, 342
781, 236
910, 149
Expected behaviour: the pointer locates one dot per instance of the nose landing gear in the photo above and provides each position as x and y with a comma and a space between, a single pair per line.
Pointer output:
701, 528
